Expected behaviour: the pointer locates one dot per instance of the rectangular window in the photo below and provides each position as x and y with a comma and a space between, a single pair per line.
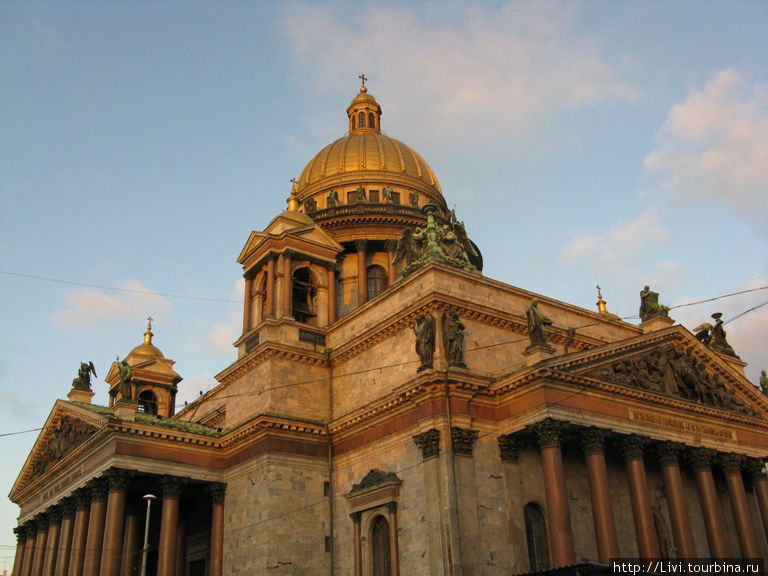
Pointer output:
395, 197
373, 195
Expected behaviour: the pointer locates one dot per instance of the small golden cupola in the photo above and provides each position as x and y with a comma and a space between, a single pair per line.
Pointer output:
150, 376
364, 112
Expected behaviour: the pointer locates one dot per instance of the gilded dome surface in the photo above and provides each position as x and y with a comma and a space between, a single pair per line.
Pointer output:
366, 155
371, 155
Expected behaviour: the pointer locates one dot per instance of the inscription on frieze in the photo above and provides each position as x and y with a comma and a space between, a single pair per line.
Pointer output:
676, 422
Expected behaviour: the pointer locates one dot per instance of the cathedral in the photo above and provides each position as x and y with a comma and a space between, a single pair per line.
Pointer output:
392, 411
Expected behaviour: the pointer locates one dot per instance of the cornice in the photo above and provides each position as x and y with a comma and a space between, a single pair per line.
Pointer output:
266, 351
265, 423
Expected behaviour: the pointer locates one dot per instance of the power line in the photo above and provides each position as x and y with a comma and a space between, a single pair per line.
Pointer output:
114, 289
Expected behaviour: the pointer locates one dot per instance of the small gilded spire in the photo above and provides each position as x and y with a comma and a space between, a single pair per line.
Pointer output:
600, 302
293, 203
148, 334
363, 79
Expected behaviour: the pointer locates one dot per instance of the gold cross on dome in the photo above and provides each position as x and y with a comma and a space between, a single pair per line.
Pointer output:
599, 294
295, 183
363, 78
149, 322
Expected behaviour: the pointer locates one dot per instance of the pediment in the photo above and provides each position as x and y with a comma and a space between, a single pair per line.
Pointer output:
304, 237
673, 363
145, 370
68, 426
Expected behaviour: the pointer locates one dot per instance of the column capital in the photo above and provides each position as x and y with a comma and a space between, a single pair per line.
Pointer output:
701, 458
361, 245
55, 514
99, 488
390, 245
218, 492
356, 517
118, 479
172, 486
755, 470
30, 527
509, 447
633, 447
21, 533
548, 432
669, 453
68, 506
42, 521
82, 498
463, 440
429, 443
593, 440
731, 463
288, 253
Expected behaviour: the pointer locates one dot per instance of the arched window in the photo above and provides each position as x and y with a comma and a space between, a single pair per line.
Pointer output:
377, 281
303, 304
371, 121
361, 120
536, 535
353, 121
382, 559
147, 402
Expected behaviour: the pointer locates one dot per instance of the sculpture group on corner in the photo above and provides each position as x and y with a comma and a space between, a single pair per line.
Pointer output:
447, 243
714, 337
452, 337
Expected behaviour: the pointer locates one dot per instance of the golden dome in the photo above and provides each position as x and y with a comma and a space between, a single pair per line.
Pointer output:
146, 348
366, 155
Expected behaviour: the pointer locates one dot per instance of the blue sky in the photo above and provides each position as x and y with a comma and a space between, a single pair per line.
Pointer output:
582, 143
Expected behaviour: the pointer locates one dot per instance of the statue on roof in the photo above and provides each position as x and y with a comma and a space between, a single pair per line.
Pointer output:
83, 380
446, 243
714, 337
125, 379
387, 192
333, 199
764, 382
650, 307
536, 323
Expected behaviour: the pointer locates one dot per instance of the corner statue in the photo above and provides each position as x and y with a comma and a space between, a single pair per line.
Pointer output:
536, 323
424, 329
83, 380
650, 307
714, 337
125, 379
453, 340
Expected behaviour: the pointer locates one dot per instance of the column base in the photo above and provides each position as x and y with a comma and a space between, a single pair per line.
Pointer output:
656, 323
83, 396
126, 410
535, 354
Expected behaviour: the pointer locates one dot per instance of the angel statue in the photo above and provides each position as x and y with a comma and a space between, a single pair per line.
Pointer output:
83, 380
125, 379
714, 337
764, 382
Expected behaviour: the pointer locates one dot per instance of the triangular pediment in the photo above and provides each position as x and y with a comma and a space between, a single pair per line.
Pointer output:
288, 231
68, 426
671, 362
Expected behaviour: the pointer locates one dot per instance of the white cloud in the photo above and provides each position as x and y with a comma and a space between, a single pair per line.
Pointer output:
715, 144
90, 307
617, 243
492, 68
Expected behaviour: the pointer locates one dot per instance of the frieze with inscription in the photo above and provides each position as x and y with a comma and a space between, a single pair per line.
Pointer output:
669, 370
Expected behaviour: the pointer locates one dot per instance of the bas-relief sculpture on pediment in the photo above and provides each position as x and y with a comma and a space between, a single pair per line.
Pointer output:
67, 434
669, 370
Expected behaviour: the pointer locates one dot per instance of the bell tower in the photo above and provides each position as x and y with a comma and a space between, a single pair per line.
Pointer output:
153, 381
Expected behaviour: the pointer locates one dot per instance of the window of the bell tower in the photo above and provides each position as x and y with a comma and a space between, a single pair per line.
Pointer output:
371, 121
147, 402
303, 304
377, 281
361, 120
